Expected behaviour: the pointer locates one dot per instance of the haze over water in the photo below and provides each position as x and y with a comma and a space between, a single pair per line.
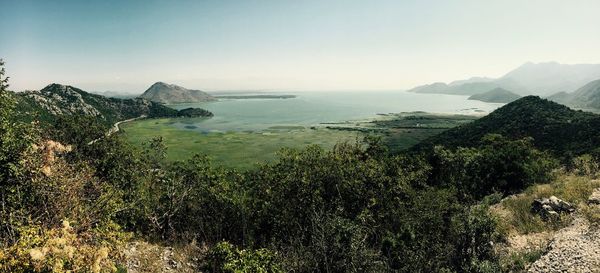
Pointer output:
313, 108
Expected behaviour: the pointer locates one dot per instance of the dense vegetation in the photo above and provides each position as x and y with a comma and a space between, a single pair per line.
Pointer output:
67, 204
553, 127
194, 112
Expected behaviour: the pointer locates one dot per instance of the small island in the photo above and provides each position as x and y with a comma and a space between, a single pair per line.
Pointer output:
194, 113
496, 95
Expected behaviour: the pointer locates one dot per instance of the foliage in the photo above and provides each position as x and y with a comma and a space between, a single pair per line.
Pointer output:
498, 165
63, 250
554, 127
518, 262
440, 235
15, 142
15, 137
194, 112
586, 165
521, 219
569, 187
196, 188
591, 213
225, 257
353, 208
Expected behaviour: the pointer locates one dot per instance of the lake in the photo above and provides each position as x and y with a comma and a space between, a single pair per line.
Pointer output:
314, 108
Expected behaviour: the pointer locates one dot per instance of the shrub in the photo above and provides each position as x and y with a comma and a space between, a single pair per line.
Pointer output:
64, 250
519, 261
225, 257
591, 213
586, 165
498, 165
474, 232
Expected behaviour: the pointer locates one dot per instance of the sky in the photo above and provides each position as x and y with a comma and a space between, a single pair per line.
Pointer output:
122, 45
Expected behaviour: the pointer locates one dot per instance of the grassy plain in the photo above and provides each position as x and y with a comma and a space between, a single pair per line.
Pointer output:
401, 131
232, 149
243, 150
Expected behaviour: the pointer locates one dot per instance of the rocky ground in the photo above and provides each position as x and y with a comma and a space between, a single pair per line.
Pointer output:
143, 257
575, 248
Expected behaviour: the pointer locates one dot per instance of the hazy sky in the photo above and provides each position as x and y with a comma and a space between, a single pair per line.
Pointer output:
301, 45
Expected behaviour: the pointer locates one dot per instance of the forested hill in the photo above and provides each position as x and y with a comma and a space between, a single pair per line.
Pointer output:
552, 126
56, 100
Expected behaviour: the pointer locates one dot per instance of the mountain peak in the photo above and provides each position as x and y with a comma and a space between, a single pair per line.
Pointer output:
54, 86
535, 103
170, 93
62, 89
542, 78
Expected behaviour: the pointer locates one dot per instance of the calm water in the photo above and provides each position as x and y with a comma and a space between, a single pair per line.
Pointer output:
313, 108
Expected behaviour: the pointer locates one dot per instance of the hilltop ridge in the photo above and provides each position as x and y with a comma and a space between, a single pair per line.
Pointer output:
57, 99
162, 92
554, 127
528, 79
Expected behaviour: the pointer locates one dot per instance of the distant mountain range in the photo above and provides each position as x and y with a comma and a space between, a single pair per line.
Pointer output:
529, 79
169, 94
496, 95
554, 127
56, 99
586, 97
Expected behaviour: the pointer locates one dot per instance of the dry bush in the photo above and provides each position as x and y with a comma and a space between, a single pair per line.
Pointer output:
62, 217
64, 250
60, 190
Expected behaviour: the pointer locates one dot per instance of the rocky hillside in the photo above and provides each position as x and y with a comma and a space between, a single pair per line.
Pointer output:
56, 99
169, 93
496, 95
552, 227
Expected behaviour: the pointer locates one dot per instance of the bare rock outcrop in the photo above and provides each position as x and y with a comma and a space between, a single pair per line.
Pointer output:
551, 208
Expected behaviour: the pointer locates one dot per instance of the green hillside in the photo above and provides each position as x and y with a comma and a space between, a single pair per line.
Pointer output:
552, 126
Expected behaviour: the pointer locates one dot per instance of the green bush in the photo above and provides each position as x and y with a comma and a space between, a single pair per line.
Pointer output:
498, 165
225, 257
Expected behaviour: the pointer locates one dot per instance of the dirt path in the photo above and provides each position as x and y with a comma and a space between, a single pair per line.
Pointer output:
575, 248
115, 128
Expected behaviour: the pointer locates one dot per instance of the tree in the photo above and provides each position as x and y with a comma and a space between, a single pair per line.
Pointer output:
10, 146
15, 140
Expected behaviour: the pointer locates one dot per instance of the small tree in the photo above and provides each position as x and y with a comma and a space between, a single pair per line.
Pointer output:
15, 140
7, 134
